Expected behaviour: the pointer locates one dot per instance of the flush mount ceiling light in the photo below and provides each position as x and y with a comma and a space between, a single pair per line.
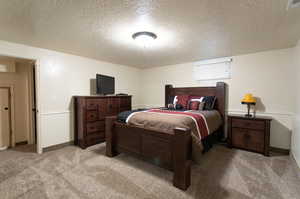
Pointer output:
144, 38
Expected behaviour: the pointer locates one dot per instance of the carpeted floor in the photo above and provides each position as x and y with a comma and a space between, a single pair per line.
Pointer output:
74, 173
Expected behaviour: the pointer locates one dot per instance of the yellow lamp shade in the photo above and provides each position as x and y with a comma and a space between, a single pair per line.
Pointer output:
248, 98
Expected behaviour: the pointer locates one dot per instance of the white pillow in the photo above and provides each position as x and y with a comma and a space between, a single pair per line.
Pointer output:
196, 99
175, 100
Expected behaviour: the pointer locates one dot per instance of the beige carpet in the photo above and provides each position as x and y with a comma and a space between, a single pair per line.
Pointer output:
74, 173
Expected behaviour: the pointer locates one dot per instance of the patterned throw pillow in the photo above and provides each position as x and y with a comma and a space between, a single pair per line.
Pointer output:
194, 105
183, 100
201, 106
209, 102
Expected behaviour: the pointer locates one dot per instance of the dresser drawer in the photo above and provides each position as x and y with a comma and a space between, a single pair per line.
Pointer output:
96, 104
125, 102
248, 139
114, 102
92, 127
92, 116
249, 124
92, 104
95, 138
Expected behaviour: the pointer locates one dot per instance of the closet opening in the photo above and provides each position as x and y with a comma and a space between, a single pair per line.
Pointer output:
18, 110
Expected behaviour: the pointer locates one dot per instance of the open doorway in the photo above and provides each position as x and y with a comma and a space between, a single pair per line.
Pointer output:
18, 113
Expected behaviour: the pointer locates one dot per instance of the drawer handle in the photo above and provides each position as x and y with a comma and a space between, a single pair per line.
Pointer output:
247, 137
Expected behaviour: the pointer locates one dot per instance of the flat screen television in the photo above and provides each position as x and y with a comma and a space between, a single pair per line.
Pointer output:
105, 84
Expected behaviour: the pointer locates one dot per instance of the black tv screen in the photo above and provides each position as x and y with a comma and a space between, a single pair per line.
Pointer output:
105, 84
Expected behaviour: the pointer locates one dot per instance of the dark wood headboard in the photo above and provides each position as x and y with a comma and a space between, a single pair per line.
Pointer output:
219, 91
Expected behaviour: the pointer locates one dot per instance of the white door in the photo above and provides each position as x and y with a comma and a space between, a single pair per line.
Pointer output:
4, 118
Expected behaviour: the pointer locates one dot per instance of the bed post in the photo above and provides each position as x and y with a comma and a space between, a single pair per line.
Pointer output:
181, 158
168, 88
221, 103
109, 136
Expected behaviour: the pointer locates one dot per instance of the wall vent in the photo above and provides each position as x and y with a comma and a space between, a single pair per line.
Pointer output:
293, 4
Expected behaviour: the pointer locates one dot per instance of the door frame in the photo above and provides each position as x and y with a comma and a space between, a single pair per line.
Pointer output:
31, 137
37, 107
12, 136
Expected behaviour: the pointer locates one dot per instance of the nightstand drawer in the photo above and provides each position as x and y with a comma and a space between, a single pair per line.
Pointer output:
249, 124
248, 139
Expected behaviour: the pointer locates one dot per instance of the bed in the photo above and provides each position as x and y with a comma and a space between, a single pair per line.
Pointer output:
172, 149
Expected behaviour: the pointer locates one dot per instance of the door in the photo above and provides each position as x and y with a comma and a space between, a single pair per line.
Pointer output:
34, 109
4, 118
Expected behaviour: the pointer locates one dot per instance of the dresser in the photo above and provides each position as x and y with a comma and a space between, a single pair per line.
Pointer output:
251, 134
90, 113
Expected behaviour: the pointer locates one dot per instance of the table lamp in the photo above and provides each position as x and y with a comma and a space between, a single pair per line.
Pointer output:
249, 100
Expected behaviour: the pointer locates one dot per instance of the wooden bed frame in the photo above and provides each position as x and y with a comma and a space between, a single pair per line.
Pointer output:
171, 151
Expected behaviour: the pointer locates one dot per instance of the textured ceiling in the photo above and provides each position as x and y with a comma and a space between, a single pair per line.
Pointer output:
187, 30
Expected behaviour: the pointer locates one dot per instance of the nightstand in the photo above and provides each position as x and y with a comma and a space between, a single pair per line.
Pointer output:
251, 134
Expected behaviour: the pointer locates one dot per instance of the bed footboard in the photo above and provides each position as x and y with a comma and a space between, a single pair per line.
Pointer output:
172, 151
182, 144
109, 137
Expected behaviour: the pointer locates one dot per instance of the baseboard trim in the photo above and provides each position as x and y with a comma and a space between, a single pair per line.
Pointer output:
21, 143
295, 162
280, 150
58, 146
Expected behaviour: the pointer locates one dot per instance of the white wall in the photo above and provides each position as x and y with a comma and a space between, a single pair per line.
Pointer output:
61, 77
296, 131
268, 75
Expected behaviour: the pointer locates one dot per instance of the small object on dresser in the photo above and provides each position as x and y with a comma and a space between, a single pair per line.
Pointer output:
121, 94
249, 100
249, 133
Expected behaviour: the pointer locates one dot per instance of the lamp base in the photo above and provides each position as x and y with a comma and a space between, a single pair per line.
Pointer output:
248, 115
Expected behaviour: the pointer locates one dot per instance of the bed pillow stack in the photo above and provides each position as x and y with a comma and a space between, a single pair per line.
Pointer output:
192, 102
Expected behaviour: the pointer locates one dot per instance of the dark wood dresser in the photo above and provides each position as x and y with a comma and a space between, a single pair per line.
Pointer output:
251, 134
90, 113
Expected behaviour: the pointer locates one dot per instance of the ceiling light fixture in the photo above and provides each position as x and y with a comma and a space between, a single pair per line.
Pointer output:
144, 38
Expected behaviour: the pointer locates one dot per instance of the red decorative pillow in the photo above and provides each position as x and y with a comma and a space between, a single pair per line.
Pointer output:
194, 105
183, 100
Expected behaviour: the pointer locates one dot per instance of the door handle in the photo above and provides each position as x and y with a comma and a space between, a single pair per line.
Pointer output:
6, 108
